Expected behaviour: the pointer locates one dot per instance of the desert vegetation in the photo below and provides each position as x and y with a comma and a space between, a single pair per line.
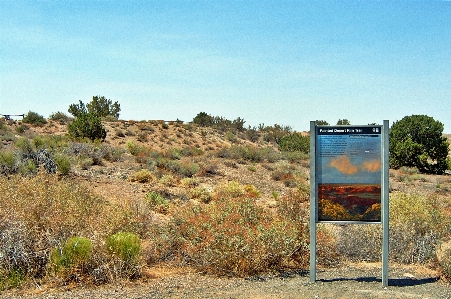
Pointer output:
210, 194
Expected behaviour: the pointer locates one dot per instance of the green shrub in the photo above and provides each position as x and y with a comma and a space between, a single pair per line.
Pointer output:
134, 148
203, 119
250, 153
28, 167
11, 279
63, 163
295, 142
24, 145
34, 119
228, 190
50, 142
252, 168
182, 168
157, 202
60, 117
73, 254
87, 125
201, 194
124, 245
297, 157
22, 128
85, 162
7, 162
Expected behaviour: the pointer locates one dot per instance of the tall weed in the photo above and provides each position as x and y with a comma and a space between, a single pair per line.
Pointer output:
236, 236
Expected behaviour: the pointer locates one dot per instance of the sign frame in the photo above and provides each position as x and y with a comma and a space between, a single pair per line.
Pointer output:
338, 147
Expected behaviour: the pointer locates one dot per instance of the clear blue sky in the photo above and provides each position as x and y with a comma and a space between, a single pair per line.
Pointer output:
284, 62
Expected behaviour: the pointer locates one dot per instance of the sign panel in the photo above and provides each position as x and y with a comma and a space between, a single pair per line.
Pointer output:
349, 181
348, 173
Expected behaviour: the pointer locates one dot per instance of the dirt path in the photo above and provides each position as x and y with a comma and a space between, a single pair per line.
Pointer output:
355, 281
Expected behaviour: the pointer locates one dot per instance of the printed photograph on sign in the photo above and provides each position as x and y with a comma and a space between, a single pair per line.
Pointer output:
349, 173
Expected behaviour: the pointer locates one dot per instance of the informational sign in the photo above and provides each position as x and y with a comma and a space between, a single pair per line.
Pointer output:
348, 173
349, 181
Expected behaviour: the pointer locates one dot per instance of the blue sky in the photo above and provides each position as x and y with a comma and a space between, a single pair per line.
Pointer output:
284, 62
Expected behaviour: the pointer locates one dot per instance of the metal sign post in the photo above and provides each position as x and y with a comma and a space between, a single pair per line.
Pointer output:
349, 181
385, 202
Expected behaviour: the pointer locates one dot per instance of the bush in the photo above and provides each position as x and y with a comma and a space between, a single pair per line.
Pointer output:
189, 182
63, 163
228, 190
7, 162
125, 245
236, 237
39, 213
34, 119
50, 142
418, 141
125, 248
73, 254
136, 149
294, 205
143, 176
15, 250
201, 194
60, 117
11, 279
168, 180
417, 224
250, 153
184, 168
87, 126
22, 128
295, 142
157, 202
43, 210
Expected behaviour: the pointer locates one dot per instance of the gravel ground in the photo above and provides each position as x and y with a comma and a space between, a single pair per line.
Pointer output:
356, 281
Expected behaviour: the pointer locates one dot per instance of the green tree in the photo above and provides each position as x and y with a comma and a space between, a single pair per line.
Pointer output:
203, 119
277, 132
322, 123
418, 141
77, 109
238, 124
87, 125
99, 106
343, 122
102, 107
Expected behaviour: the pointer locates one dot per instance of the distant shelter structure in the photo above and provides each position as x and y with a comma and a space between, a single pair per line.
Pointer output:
8, 116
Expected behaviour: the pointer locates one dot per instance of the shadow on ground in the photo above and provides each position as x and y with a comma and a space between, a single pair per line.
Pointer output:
397, 282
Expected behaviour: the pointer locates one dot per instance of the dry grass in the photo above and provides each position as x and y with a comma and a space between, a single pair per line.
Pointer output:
40, 213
